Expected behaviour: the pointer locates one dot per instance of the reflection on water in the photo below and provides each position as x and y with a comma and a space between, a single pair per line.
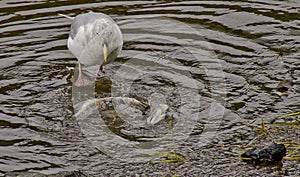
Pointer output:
207, 58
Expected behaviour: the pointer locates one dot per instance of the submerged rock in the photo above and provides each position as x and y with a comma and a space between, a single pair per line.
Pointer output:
270, 154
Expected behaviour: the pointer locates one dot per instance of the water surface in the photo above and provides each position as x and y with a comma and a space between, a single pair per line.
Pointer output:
217, 64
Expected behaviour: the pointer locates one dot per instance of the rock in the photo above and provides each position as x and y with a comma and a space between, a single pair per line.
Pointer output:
270, 154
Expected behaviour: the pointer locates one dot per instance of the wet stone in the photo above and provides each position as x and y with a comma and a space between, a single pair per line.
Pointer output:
270, 154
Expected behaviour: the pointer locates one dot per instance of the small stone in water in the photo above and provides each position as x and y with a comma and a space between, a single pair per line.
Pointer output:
270, 154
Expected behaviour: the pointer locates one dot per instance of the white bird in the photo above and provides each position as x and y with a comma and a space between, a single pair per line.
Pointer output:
94, 39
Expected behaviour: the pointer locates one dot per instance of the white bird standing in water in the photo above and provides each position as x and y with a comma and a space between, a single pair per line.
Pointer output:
94, 39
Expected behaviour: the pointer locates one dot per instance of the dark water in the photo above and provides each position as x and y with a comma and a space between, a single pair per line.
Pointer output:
217, 64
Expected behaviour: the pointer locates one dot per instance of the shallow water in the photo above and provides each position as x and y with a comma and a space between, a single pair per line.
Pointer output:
217, 64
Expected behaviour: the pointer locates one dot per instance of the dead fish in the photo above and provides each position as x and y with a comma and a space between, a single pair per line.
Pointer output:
157, 113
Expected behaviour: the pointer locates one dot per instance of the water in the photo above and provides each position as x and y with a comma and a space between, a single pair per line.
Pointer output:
217, 64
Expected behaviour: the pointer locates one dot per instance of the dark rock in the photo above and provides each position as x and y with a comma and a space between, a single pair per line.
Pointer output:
270, 154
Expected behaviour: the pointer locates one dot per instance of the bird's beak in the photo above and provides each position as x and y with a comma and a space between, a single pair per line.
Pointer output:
105, 52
